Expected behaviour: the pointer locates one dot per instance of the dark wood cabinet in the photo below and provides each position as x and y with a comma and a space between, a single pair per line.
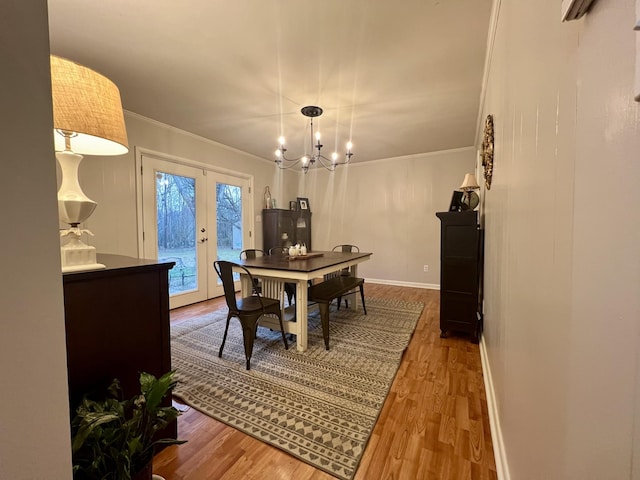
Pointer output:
276, 222
461, 245
117, 325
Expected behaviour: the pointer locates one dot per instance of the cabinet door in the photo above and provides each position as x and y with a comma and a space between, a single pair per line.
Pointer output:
275, 223
303, 228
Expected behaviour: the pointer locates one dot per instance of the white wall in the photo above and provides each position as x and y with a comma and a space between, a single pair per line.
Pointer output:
387, 207
34, 410
561, 273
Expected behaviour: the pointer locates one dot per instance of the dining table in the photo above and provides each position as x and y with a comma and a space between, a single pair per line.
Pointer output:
299, 269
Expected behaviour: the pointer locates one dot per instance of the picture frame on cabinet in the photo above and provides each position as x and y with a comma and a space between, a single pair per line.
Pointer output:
303, 203
293, 205
456, 201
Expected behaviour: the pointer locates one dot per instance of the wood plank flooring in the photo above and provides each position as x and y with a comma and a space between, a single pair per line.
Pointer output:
434, 424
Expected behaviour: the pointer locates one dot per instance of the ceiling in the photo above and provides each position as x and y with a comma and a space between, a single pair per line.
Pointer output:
395, 77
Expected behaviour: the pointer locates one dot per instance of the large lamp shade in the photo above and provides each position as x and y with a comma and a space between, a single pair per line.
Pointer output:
88, 105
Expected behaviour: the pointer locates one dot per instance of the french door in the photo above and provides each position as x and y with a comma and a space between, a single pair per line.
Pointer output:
193, 216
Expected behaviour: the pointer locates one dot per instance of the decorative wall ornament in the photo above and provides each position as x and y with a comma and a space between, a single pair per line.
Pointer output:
487, 151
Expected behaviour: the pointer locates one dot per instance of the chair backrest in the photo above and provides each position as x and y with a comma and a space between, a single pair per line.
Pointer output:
224, 270
251, 253
346, 248
279, 251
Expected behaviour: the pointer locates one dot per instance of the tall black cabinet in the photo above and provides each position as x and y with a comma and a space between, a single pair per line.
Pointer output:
461, 257
282, 228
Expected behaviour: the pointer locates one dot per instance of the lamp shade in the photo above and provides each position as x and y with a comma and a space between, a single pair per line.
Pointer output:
470, 182
88, 105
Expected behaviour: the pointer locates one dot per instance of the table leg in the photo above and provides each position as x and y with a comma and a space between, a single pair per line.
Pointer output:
301, 315
353, 298
245, 285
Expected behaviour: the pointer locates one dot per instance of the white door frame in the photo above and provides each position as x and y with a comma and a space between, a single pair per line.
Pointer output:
248, 209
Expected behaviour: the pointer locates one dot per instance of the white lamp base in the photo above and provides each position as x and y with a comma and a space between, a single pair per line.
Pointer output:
77, 256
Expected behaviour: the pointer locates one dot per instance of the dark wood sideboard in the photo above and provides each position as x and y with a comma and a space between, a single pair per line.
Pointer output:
117, 325
461, 259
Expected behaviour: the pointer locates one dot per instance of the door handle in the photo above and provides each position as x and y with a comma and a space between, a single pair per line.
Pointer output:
203, 239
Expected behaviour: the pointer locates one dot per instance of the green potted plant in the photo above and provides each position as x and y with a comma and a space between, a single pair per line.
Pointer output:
114, 439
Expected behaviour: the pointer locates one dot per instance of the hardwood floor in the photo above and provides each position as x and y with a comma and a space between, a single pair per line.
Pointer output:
434, 424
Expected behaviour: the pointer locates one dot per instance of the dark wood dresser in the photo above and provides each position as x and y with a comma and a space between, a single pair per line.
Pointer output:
117, 325
461, 260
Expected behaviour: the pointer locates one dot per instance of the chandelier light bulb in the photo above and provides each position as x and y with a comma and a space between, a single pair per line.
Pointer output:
318, 136
334, 157
349, 145
281, 140
305, 161
278, 153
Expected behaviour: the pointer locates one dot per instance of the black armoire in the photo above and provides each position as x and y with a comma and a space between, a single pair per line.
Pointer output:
281, 228
461, 257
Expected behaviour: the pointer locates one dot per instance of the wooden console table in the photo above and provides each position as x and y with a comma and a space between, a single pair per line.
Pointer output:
117, 325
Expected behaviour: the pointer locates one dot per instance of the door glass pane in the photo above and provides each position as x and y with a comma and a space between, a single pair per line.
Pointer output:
176, 214
229, 221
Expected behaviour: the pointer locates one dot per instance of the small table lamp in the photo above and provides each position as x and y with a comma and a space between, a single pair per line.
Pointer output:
87, 113
471, 199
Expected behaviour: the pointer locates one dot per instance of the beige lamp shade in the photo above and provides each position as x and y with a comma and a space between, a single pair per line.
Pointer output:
88, 105
469, 183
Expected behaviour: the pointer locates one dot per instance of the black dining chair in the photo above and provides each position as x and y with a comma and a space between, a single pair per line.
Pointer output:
249, 310
344, 248
284, 251
252, 253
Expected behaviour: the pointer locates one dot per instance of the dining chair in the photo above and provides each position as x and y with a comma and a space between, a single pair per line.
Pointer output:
279, 251
345, 272
252, 253
249, 310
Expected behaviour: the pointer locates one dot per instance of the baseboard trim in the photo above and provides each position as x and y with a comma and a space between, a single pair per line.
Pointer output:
502, 467
399, 283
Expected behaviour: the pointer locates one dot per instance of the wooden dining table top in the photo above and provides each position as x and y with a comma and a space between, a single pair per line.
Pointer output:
311, 264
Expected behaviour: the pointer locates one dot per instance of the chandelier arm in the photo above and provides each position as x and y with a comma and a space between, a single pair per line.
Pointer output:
326, 163
282, 166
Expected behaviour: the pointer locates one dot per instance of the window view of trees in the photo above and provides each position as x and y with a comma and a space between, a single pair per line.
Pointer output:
176, 205
229, 221
178, 232
176, 211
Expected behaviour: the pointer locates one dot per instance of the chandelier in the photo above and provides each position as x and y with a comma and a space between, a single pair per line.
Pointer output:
307, 161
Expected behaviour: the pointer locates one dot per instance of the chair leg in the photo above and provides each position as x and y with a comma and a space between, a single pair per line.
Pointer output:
364, 307
324, 317
248, 335
346, 303
224, 337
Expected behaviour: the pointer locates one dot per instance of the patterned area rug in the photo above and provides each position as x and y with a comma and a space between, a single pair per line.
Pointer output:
319, 406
